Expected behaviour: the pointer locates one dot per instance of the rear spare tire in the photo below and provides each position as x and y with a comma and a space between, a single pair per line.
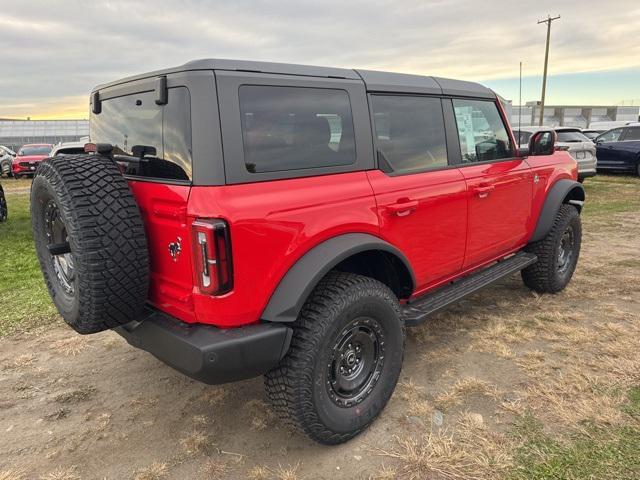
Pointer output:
90, 241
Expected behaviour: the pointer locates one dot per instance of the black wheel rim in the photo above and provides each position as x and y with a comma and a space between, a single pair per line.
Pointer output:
566, 250
356, 362
56, 232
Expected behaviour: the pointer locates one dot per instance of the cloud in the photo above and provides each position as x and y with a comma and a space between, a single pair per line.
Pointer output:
61, 49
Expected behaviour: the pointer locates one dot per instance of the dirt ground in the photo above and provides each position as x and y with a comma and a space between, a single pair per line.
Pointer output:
95, 408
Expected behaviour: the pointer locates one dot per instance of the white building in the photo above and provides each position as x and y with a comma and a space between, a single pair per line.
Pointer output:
15, 133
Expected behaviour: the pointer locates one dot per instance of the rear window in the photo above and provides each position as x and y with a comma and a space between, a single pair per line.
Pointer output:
632, 134
571, 136
134, 124
70, 151
35, 150
295, 128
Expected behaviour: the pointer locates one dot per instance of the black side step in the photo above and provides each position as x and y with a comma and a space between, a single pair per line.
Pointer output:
416, 312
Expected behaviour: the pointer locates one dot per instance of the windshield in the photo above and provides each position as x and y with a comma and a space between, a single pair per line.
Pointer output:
591, 135
35, 150
571, 136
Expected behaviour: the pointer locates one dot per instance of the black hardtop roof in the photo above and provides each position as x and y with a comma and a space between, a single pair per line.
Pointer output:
375, 81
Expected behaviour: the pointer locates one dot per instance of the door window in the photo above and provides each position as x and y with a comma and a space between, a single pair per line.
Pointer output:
410, 132
610, 136
482, 133
293, 128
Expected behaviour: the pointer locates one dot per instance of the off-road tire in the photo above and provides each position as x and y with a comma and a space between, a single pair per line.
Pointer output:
298, 388
544, 276
108, 246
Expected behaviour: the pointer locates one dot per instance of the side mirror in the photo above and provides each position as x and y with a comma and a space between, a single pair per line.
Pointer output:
542, 143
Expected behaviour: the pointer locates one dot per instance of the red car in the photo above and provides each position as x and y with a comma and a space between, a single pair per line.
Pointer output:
245, 218
28, 158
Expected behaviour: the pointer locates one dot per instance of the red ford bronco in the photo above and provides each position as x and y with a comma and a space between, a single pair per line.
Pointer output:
238, 219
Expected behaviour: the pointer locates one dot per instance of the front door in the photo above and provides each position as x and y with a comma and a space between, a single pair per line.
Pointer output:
421, 199
499, 185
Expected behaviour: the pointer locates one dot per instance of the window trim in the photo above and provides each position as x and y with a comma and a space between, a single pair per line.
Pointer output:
450, 163
513, 152
229, 82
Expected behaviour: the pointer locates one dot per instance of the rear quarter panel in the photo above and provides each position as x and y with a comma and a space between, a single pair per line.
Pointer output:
272, 225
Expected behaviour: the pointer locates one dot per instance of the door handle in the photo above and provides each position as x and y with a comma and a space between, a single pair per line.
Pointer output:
484, 191
402, 209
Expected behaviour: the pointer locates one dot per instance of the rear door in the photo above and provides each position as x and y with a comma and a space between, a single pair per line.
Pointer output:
499, 185
421, 198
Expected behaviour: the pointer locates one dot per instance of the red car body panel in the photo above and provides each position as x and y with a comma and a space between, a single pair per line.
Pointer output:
448, 232
435, 218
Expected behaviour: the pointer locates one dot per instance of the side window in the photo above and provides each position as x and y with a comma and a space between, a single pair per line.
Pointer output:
483, 136
610, 136
632, 134
410, 132
293, 128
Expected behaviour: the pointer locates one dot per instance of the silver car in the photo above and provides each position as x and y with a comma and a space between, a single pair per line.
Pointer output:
571, 139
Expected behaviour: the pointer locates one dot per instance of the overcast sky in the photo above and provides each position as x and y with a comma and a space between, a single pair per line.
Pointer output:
52, 52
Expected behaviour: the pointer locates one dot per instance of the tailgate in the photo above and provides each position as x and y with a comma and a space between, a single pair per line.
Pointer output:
164, 213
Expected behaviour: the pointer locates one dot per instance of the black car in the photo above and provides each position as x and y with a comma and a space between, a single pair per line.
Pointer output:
3, 206
619, 149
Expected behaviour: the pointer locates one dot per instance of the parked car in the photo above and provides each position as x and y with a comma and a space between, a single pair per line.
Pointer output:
291, 221
570, 139
592, 134
68, 148
4, 211
28, 158
619, 149
6, 157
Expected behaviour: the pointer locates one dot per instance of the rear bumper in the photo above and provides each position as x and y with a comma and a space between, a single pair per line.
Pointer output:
206, 353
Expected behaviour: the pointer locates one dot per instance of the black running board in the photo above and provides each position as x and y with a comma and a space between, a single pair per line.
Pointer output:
417, 311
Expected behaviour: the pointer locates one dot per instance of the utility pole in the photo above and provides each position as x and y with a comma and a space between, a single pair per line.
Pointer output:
520, 105
546, 61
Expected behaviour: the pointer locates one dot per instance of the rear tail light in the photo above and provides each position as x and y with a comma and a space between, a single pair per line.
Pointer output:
562, 148
212, 256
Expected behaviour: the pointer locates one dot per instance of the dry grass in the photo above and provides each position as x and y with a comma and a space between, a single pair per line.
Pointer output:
155, 471
71, 346
463, 389
69, 473
12, 474
469, 451
215, 469
262, 416
259, 473
197, 442
21, 361
288, 472
75, 396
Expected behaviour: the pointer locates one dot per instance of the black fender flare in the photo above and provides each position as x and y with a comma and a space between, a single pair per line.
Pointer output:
557, 195
296, 285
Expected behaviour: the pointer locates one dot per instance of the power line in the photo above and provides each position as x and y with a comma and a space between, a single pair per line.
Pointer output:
548, 21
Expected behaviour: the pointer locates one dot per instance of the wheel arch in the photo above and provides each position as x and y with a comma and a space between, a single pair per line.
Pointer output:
563, 191
353, 252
